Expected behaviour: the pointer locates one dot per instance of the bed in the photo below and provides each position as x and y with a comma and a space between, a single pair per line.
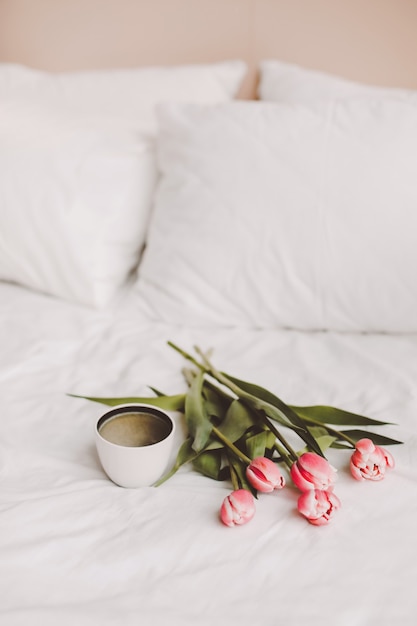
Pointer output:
241, 193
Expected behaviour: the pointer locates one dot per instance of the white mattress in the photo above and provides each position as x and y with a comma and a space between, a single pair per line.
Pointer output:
77, 549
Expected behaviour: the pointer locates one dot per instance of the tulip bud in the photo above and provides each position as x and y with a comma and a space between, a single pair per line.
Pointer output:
318, 506
369, 462
264, 475
312, 471
238, 508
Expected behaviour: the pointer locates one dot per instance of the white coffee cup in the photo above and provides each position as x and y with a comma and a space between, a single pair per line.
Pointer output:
134, 443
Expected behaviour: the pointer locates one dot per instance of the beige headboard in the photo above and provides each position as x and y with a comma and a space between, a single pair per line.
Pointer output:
367, 40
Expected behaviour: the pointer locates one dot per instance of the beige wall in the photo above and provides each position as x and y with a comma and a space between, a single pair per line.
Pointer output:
367, 40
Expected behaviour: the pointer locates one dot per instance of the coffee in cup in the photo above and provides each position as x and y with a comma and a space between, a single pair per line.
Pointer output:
134, 443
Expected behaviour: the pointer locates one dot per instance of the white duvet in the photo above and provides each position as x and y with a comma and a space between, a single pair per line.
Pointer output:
75, 549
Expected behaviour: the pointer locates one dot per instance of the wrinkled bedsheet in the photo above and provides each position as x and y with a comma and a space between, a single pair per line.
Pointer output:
77, 549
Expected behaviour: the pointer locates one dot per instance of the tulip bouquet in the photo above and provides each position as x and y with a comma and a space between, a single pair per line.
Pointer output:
239, 431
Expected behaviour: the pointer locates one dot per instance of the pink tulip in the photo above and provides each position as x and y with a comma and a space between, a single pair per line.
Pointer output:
264, 475
369, 462
318, 506
238, 508
312, 471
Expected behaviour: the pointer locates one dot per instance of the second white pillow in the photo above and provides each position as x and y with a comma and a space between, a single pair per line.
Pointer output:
287, 82
275, 215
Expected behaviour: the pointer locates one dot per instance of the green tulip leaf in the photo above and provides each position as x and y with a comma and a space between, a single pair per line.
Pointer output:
323, 437
216, 403
333, 415
185, 454
324, 441
213, 444
237, 421
256, 444
209, 463
156, 391
270, 440
341, 446
196, 418
263, 395
318, 431
240, 471
277, 410
379, 440
168, 403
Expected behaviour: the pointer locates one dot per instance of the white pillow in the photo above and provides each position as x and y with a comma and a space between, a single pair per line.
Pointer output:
78, 170
283, 215
286, 82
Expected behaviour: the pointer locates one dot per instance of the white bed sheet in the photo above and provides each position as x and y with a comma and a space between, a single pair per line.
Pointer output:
76, 549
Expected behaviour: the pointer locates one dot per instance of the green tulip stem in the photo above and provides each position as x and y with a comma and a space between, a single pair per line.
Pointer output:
231, 446
283, 454
234, 477
221, 378
187, 356
290, 449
